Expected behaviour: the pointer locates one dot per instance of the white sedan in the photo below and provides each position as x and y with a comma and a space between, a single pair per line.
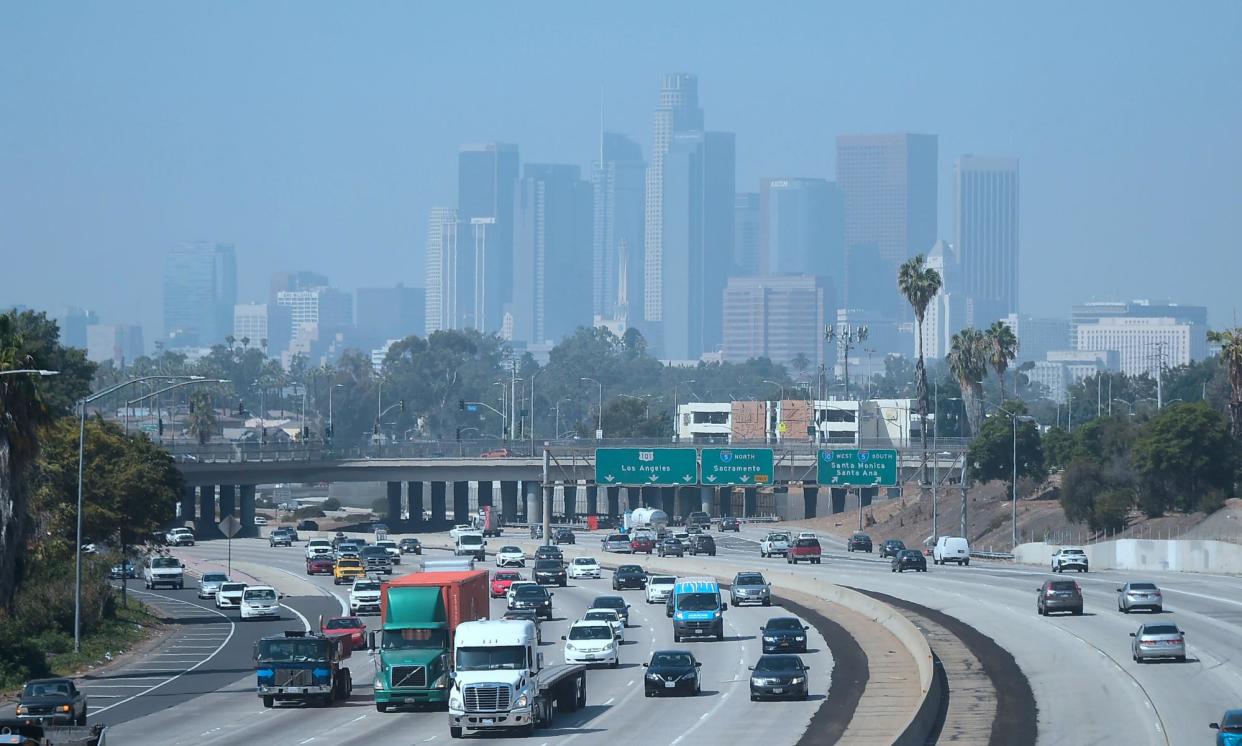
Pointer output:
584, 567
229, 595
607, 615
591, 642
510, 556
459, 529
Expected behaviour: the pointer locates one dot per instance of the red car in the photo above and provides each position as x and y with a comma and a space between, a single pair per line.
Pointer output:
347, 626
321, 565
640, 544
497, 453
501, 580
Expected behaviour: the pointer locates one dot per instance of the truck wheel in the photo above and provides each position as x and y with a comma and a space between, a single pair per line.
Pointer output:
381, 707
269, 701
454, 731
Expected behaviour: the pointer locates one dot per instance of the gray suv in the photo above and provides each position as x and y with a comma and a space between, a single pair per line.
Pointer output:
750, 588
1059, 595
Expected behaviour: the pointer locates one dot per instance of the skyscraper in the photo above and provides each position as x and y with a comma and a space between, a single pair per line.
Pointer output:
985, 229
200, 290
889, 185
617, 181
385, 313
298, 280
802, 227
119, 344
777, 317
552, 257
746, 243
265, 325
697, 241
441, 271
677, 111
486, 179
73, 322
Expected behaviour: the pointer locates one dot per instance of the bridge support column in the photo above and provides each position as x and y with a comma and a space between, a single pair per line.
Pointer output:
668, 500
614, 501
206, 512
461, 502
508, 501
485, 493
228, 500
750, 501
810, 493
246, 500
394, 504
415, 491
724, 496
592, 501
570, 492
650, 498
837, 495
187, 506
534, 502
707, 500
867, 495
438, 490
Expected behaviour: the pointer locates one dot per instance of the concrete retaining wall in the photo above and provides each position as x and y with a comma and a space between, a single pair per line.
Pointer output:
1147, 554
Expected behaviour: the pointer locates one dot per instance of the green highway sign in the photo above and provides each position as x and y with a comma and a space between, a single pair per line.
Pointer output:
857, 468
651, 466
732, 466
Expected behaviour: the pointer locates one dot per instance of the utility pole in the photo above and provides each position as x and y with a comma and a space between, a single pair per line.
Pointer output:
964, 535
847, 336
547, 500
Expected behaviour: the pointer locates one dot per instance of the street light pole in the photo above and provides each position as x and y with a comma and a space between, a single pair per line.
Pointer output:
599, 423
676, 406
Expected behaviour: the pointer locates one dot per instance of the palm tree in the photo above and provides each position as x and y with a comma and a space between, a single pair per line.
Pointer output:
919, 284
968, 361
1002, 349
202, 423
800, 362
1230, 341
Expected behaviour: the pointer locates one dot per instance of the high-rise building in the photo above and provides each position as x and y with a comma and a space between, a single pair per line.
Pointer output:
266, 326
777, 317
985, 230
385, 313
746, 241
889, 186
119, 344
617, 180
298, 280
802, 227
1037, 337
677, 111
697, 242
442, 310
487, 177
200, 290
553, 255
317, 317
870, 282
1145, 344
1091, 313
72, 322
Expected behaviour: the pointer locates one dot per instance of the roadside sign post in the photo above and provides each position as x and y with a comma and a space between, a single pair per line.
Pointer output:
852, 467
737, 466
636, 467
229, 526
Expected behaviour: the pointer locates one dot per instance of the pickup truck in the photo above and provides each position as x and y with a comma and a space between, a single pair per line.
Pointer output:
501, 683
773, 544
52, 702
14, 732
804, 550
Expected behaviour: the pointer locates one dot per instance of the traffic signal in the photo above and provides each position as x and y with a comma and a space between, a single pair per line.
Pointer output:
241, 408
461, 404
403, 405
459, 433
161, 426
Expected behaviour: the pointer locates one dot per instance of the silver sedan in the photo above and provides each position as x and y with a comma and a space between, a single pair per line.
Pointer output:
1133, 596
1158, 641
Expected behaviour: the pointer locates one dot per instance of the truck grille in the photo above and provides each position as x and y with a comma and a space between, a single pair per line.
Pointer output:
411, 676
293, 677
487, 698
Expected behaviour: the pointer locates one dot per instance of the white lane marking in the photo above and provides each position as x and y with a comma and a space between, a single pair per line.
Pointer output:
312, 738
702, 719
610, 701
629, 683
305, 622
360, 717
214, 653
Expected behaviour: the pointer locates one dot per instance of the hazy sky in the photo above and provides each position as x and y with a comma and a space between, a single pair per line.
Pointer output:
317, 135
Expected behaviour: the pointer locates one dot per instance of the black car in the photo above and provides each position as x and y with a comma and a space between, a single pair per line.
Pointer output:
550, 572
858, 543
671, 672
613, 602
280, 538
51, 702
629, 576
410, 546
549, 552
702, 544
533, 597
778, 676
565, 536
730, 524
784, 634
891, 548
670, 546
308, 526
526, 615
668, 606
908, 559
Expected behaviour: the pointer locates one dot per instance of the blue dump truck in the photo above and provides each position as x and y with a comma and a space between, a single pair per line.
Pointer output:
698, 611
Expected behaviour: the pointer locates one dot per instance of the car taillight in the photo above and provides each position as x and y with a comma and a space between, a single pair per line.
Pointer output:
1051, 592
1077, 588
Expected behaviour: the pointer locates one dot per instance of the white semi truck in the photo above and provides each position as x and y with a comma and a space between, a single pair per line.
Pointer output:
650, 519
501, 683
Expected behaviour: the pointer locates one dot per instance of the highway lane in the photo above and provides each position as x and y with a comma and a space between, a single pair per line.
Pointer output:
1086, 686
615, 703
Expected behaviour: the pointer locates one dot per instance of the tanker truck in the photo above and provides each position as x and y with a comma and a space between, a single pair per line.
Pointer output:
647, 519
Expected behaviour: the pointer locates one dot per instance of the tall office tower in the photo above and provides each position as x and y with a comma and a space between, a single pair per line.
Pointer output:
200, 290
870, 282
697, 242
889, 184
1091, 313
746, 242
119, 344
552, 258
385, 313
266, 326
292, 281
317, 316
777, 317
73, 322
1145, 344
617, 180
802, 227
1037, 337
985, 230
441, 271
486, 179
677, 111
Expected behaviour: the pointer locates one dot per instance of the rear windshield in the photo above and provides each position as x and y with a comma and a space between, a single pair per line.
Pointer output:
629, 570
345, 623
1142, 586
773, 663
1160, 629
584, 561
803, 543
1063, 585
230, 587
368, 586
215, 577
601, 616
609, 602
506, 576
260, 594
616, 537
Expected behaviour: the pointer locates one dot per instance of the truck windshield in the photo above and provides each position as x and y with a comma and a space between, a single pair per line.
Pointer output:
698, 602
414, 639
292, 651
475, 539
511, 658
165, 562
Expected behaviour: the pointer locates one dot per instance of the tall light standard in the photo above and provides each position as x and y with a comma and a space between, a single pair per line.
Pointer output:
676, 406
779, 385
558, 417
1015, 418
533, 376
77, 579
599, 423
645, 399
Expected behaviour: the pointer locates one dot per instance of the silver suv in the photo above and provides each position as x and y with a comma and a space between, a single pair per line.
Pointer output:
1069, 559
751, 588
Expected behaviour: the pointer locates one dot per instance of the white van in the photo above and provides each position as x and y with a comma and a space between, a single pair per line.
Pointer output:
951, 549
159, 570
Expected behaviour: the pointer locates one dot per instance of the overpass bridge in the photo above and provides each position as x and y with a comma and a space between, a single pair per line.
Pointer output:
431, 478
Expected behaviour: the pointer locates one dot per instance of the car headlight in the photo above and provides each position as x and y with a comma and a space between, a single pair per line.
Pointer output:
63, 708
23, 710
795, 681
455, 700
679, 616
571, 647
522, 701
689, 675
767, 638
800, 638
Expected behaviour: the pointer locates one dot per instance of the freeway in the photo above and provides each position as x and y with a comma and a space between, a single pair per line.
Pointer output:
615, 704
1087, 688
